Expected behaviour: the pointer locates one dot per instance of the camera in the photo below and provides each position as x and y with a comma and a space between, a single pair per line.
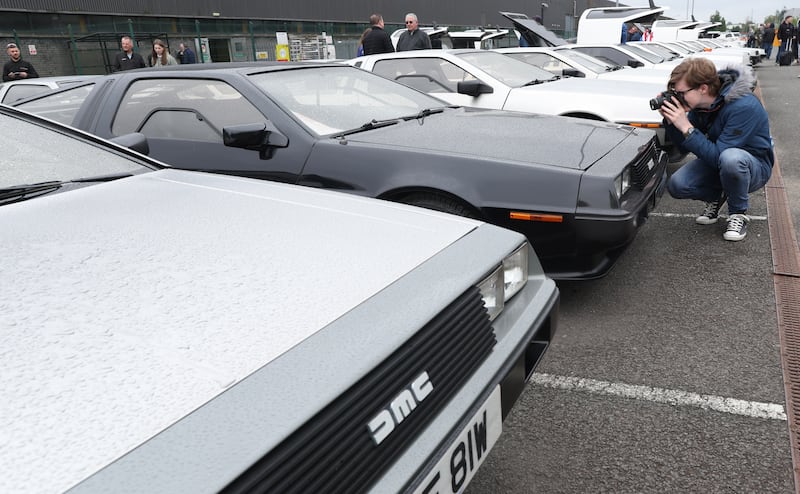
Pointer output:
656, 102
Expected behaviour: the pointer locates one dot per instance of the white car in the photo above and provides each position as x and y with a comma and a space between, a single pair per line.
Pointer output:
628, 54
572, 63
169, 331
486, 79
16, 90
721, 58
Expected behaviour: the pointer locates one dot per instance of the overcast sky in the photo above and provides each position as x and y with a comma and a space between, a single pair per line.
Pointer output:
734, 11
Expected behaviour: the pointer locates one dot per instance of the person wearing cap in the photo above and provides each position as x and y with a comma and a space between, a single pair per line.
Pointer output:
17, 68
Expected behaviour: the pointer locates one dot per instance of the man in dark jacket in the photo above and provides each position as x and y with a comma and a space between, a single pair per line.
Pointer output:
413, 38
127, 59
786, 31
727, 129
17, 69
377, 40
767, 38
185, 54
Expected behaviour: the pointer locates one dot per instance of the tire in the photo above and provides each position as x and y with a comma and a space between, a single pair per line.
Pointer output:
441, 203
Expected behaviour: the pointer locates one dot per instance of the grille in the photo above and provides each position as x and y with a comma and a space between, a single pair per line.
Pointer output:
334, 451
643, 168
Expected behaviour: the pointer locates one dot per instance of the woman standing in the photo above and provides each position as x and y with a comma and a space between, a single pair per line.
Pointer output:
160, 56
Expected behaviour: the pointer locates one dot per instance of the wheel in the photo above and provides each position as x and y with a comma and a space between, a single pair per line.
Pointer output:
441, 203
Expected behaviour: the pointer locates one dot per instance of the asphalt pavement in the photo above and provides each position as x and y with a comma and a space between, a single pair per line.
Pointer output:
665, 376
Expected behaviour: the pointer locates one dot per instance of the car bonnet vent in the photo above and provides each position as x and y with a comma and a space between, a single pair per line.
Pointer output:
335, 452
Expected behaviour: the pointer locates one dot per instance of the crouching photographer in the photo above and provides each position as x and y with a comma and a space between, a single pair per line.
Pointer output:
716, 116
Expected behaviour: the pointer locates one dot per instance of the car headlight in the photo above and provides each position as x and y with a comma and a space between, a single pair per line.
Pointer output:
505, 281
622, 183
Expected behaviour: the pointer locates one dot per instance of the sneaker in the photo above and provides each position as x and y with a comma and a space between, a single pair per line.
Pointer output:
737, 227
710, 214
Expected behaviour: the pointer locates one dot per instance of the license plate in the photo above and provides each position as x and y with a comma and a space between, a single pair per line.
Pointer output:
458, 465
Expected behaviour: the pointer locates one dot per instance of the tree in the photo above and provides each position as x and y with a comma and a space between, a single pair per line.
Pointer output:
716, 17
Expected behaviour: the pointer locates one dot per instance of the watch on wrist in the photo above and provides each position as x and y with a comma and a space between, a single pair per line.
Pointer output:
688, 132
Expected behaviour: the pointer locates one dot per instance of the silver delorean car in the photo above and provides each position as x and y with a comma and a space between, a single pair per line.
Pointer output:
173, 331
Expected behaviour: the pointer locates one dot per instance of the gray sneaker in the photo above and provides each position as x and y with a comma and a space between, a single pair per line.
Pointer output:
710, 214
737, 227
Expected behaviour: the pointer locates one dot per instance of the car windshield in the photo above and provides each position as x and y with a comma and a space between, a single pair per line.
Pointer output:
679, 48
33, 154
660, 50
329, 100
647, 55
588, 61
60, 106
507, 70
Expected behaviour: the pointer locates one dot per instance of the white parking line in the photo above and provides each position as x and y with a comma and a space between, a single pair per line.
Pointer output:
684, 215
659, 395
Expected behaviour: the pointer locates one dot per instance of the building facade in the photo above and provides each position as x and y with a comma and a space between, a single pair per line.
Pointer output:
80, 36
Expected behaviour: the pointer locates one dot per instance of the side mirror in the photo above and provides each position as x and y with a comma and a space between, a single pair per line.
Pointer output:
570, 72
635, 63
474, 88
263, 137
135, 140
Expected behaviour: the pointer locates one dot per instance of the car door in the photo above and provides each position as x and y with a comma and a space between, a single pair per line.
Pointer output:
439, 77
183, 119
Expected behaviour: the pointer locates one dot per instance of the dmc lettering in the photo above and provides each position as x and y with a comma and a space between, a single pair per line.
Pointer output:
400, 408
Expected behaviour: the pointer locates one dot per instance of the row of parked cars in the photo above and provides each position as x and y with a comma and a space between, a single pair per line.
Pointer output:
197, 306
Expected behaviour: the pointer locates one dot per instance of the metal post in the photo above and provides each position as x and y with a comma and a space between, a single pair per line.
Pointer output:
16, 40
252, 39
130, 30
75, 57
199, 41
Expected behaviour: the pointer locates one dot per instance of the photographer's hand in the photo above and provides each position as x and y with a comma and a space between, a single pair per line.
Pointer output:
675, 114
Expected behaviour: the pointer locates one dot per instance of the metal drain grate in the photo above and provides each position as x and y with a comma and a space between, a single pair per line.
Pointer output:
786, 279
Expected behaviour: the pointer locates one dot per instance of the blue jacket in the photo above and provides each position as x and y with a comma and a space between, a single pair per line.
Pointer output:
736, 119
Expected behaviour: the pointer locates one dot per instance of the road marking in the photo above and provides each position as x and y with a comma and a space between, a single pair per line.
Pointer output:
659, 395
684, 215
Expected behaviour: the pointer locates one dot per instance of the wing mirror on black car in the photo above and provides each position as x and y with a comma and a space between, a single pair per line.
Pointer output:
474, 88
262, 137
135, 140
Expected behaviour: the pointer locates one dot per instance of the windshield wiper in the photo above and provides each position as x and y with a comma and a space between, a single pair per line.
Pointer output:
102, 178
424, 113
538, 81
372, 124
17, 193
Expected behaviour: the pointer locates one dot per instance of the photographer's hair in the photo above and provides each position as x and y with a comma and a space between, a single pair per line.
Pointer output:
696, 71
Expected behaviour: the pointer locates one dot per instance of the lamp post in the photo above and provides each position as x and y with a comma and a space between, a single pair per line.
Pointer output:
544, 6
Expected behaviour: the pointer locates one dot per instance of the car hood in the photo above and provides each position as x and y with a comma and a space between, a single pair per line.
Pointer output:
130, 304
619, 101
525, 138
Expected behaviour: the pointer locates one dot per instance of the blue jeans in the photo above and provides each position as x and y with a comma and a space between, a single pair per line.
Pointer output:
737, 173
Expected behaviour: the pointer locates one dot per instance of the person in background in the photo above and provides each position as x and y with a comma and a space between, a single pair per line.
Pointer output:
377, 40
767, 38
160, 56
634, 34
17, 68
186, 54
360, 51
715, 115
785, 33
413, 38
127, 59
